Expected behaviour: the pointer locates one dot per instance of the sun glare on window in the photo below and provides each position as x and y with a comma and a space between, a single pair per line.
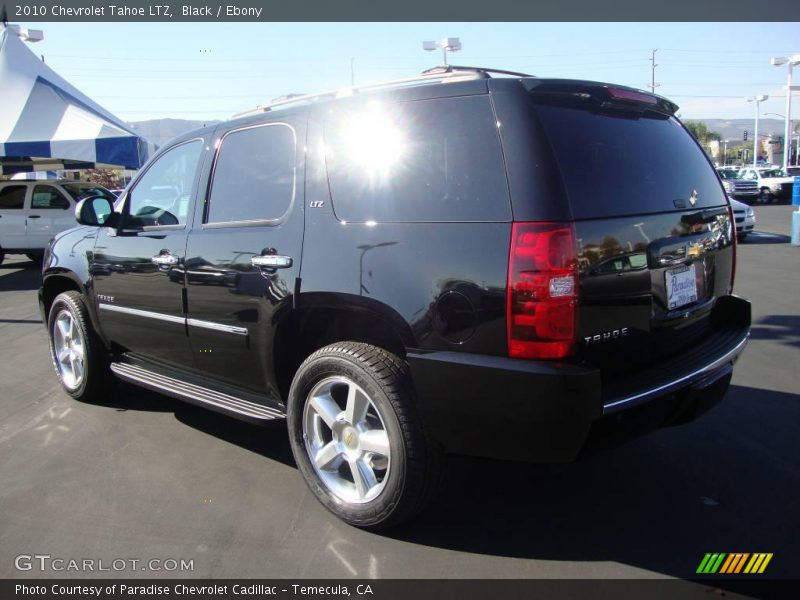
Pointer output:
373, 141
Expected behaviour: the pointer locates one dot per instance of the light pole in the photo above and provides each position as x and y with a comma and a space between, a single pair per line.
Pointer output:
791, 61
725, 152
447, 44
758, 100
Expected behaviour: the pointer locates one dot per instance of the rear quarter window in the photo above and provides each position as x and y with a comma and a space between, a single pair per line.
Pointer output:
423, 161
615, 165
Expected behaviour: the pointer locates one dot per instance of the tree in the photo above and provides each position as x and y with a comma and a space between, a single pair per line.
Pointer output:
701, 133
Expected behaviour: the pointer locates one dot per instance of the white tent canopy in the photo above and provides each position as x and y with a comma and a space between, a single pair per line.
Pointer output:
46, 123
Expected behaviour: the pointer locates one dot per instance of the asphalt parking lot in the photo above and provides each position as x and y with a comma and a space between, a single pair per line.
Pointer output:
142, 476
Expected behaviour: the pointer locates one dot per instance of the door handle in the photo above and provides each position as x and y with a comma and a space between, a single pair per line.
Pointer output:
164, 259
34, 216
271, 261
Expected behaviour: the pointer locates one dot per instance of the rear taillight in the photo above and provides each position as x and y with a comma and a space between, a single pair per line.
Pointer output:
542, 290
734, 241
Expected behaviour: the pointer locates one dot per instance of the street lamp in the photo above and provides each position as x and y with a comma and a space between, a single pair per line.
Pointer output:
447, 44
725, 152
758, 100
791, 61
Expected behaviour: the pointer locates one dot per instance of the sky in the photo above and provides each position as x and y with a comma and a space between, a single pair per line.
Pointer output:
209, 71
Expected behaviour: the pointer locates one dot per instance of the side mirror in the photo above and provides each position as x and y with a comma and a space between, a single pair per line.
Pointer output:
94, 211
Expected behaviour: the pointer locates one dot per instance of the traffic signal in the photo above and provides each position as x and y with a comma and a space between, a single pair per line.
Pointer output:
738, 154
745, 135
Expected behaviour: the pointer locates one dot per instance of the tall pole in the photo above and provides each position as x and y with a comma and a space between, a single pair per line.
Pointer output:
787, 139
653, 66
755, 136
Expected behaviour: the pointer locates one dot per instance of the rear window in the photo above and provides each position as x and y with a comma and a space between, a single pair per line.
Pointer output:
429, 160
614, 165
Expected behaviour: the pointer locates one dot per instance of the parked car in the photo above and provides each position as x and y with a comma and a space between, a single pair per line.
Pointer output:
735, 186
773, 183
32, 212
745, 218
419, 268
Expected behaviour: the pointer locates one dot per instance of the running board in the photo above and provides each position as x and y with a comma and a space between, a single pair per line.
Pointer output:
195, 394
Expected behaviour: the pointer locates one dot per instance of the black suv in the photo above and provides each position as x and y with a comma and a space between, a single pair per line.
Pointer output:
506, 267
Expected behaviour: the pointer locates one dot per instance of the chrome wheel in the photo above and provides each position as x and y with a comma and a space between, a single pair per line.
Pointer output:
346, 440
68, 349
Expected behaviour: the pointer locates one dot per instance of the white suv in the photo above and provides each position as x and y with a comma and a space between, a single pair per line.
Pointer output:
32, 212
772, 182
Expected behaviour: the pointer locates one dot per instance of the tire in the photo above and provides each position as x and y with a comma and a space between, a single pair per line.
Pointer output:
765, 196
338, 395
79, 358
741, 237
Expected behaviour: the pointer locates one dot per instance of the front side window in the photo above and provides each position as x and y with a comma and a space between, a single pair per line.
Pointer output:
163, 194
254, 175
79, 191
46, 196
12, 197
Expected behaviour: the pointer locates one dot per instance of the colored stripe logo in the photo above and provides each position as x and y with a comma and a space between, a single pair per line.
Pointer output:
734, 563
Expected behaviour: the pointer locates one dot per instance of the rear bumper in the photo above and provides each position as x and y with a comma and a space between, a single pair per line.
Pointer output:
553, 412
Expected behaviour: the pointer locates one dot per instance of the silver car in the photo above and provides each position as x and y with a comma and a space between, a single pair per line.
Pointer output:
745, 218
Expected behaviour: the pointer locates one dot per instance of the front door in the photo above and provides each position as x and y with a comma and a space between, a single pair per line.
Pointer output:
138, 267
243, 253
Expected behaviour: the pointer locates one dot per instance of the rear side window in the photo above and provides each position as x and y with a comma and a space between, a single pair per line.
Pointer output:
254, 175
12, 196
429, 160
615, 165
46, 196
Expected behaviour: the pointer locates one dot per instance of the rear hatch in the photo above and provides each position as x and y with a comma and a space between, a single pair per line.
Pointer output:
655, 243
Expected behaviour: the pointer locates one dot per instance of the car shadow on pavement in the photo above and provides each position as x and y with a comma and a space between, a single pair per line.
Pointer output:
20, 276
728, 482
782, 328
270, 440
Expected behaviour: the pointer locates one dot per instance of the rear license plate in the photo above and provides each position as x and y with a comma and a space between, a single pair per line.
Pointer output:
681, 286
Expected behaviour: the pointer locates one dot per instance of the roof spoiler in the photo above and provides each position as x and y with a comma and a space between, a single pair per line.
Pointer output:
604, 95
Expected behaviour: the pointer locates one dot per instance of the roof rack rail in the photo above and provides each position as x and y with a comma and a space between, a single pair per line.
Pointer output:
486, 71
447, 74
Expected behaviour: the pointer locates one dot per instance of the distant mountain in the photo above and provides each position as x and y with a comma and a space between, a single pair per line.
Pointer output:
733, 129
160, 131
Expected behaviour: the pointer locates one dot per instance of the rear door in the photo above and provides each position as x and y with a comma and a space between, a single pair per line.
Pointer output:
12, 215
243, 254
655, 239
50, 212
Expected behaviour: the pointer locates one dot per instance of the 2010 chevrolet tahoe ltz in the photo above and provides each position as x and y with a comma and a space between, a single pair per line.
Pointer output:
499, 266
